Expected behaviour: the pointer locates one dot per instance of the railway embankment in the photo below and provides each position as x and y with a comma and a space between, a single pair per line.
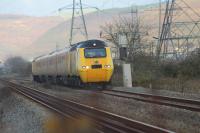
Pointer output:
20, 115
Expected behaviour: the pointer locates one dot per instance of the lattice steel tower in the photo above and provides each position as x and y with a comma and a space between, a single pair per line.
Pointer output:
180, 32
81, 27
78, 24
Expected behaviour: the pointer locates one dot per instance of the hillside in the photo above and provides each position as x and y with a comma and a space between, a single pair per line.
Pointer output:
60, 34
17, 33
148, 16
32, 36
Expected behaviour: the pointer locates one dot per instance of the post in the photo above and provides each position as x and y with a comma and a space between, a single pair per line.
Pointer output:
56, 65
127, 77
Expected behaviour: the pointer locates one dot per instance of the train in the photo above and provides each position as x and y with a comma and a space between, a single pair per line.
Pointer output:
84, 63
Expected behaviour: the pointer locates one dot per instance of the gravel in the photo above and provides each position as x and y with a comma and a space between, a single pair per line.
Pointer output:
159, 92
20, 115
174, 119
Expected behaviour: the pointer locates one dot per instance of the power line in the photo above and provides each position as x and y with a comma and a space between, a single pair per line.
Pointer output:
77, 13
178, 37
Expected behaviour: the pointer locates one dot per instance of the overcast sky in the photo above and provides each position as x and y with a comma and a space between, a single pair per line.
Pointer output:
46, 7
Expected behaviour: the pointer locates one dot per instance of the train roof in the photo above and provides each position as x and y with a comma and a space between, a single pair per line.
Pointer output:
83, 44
51, 54
88, 44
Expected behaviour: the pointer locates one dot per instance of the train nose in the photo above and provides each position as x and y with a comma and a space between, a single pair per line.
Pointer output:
96, 73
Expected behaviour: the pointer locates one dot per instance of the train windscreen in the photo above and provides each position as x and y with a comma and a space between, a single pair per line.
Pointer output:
95, 52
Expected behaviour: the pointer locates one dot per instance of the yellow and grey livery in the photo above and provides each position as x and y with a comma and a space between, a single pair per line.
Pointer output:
85, 62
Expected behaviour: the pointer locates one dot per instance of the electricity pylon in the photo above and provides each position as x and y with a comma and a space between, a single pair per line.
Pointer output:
180, 30
77, 13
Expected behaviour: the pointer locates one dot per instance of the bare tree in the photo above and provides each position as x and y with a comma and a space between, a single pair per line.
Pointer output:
139, 46
134, 31
18, 65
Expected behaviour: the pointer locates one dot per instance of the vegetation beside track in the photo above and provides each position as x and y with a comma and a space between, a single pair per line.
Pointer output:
181, 76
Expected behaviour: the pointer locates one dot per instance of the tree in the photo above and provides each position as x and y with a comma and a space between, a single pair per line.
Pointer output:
18, 65
139, 47
134, 31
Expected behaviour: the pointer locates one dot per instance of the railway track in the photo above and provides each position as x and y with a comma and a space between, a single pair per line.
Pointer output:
103, 121
188, 104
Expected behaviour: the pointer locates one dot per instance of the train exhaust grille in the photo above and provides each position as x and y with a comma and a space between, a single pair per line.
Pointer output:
96, 66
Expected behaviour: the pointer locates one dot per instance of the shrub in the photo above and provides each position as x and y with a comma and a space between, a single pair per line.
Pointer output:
18, 65
169, 69
190, 67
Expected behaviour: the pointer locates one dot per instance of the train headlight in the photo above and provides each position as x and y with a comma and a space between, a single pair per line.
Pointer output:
85, 67
107, 66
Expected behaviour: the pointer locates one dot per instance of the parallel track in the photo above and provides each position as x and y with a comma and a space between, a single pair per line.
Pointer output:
103, 121
188, 104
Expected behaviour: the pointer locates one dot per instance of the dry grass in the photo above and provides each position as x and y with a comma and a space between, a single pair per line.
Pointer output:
178, 85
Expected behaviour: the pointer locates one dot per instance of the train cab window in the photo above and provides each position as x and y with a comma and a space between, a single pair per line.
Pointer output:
95, 52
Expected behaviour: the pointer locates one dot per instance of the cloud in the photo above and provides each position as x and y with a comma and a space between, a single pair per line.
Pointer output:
44, 7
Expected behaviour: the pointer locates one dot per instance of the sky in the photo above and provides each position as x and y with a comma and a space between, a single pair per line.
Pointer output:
50, 7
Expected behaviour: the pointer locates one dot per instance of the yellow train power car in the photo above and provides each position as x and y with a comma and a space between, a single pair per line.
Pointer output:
83, 63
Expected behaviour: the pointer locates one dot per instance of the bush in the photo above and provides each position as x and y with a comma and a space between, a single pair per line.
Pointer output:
18, 65
169, 69
190, 67
144, 69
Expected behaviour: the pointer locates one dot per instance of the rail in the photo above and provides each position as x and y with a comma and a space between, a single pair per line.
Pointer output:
103, 121
188, 104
